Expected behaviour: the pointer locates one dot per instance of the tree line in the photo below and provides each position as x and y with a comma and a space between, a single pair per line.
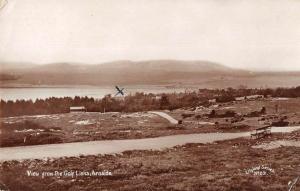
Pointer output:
130, 103
136, 102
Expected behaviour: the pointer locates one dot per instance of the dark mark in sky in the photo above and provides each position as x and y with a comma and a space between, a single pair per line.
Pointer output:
120, 91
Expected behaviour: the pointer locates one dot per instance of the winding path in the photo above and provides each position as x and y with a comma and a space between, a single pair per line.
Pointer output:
166, 116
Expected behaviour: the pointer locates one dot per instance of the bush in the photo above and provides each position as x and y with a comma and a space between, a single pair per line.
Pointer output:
186, 115
280, 123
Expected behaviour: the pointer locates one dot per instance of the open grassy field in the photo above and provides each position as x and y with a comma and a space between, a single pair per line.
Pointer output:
90, 126
239, 164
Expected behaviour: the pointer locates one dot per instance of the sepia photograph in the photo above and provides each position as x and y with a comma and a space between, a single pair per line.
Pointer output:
149, 95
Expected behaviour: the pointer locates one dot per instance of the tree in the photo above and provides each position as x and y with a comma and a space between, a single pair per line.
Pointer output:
164, 101
263, 110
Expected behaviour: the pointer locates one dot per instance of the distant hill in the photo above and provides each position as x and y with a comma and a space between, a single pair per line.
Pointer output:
8, 77
152, 72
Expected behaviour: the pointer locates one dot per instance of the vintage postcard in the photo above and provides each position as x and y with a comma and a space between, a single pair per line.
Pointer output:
170, 95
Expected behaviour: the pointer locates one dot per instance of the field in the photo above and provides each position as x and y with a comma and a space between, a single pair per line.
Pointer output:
91, 126
269, 163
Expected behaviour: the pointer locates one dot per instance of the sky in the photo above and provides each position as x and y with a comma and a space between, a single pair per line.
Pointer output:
249, 34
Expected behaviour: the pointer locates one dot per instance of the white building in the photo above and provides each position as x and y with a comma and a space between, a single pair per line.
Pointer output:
78, 109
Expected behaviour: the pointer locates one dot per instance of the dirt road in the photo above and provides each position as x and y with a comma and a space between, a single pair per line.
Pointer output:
117, 146
166, 116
